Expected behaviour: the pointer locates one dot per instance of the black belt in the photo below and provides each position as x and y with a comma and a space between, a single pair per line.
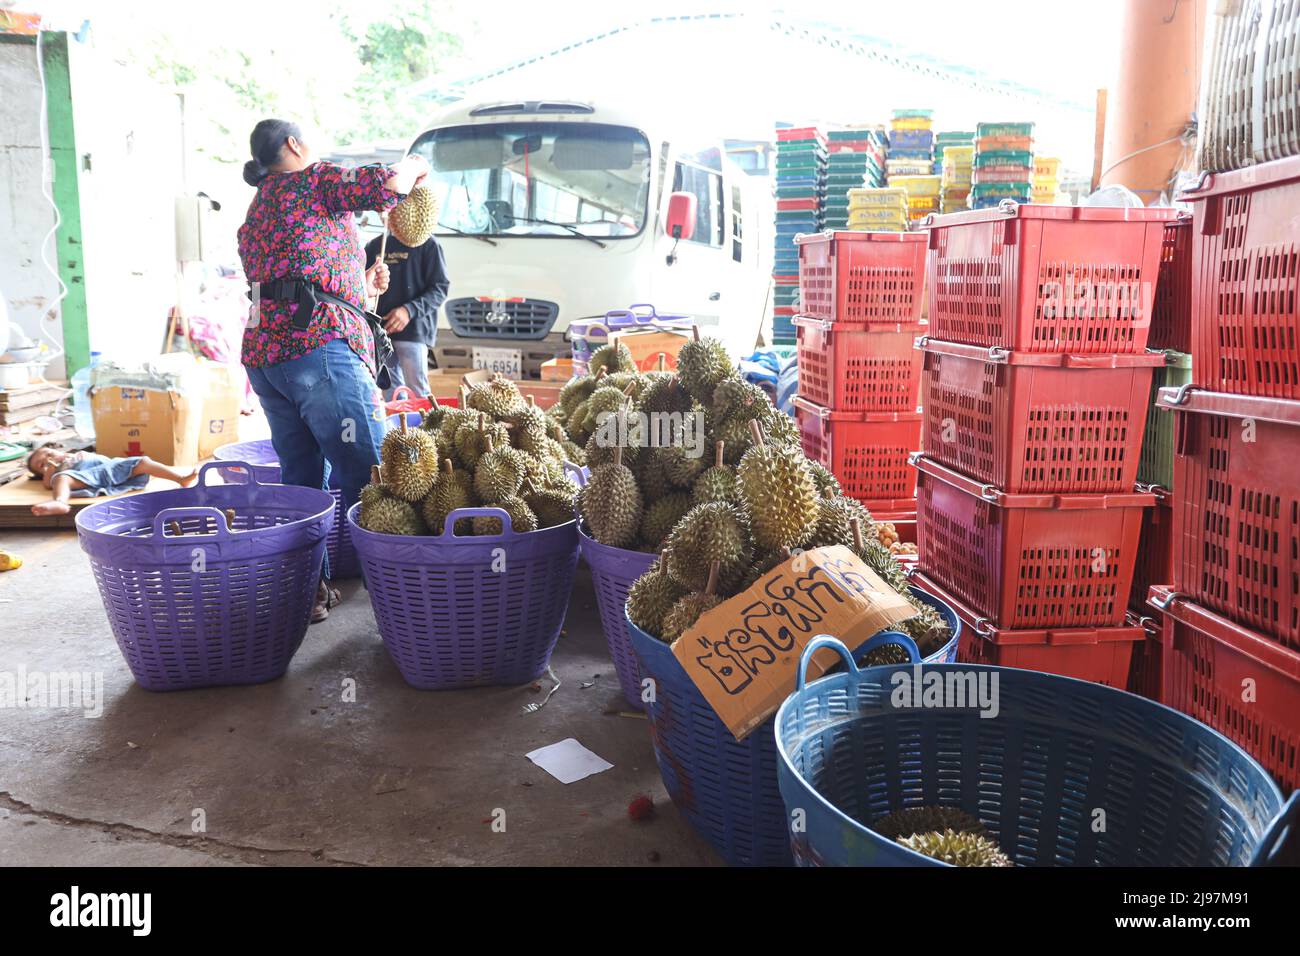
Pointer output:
307, 295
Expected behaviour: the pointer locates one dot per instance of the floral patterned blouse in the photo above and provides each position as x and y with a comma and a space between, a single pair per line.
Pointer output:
300, 225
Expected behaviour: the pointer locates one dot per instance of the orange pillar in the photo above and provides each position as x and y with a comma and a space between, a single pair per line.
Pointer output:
1154, 95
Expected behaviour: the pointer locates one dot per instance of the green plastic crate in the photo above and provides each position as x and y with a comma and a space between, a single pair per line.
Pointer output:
1156, 465
1004, 129
1004, 157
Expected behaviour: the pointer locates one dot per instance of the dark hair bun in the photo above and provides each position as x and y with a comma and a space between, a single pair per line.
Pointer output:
254, 173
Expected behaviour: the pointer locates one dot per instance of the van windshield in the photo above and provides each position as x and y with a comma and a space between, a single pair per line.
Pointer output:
563, 180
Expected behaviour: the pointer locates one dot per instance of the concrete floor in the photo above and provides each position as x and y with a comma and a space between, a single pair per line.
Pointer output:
287, 773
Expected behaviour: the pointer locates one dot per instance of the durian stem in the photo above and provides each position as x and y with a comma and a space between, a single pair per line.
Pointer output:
447, 466
488, 445
756, 430
714, 569
628, 391
230, 519
402, 423
717, 454
618, 456
532, 400
374, 475
856, 525
695, 332
663, 360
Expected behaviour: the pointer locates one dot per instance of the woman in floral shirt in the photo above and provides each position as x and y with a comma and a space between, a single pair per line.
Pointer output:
316, 385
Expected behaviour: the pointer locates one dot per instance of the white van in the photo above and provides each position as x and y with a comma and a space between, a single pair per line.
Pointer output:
556, 211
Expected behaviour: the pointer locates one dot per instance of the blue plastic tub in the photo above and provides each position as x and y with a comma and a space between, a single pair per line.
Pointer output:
727, 789
1058, 752
613, 572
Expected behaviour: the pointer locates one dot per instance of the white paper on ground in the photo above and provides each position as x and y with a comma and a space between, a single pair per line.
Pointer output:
568, 761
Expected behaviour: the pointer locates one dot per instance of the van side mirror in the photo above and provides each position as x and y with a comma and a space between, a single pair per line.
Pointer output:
680, 222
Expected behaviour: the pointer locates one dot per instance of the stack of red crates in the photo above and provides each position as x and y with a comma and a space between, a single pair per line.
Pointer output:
860, 299
1231, 621
1035, 388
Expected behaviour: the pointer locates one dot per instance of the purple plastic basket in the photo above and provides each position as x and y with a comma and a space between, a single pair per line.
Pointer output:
240, 618
613, 571
265, 464
726, 788
460, 611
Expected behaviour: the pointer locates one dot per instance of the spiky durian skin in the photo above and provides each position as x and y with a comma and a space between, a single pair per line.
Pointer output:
385, 514
604, 401
651, 597
431, 418
552, 506
828, 486
707, 533
664, 395
959, 849
835, 522
682, 616
612, 358
498, 397
573, 453
662, 515
522, 518
781, 429
903, 823
408, 463
702, 366
779, 495
471, 443
885, 654
768, 562
451, 491
611, 505
499, 474
413, 220
715, 484
736, 399
651, 477
681, 466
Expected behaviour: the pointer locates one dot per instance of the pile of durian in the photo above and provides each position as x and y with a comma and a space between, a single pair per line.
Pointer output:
719, 520
498, 449
945, 833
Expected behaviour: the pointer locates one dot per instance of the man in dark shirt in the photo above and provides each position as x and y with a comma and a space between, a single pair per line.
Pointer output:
417, 285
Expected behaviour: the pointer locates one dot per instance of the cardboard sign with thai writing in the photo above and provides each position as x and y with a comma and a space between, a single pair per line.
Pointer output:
743, 655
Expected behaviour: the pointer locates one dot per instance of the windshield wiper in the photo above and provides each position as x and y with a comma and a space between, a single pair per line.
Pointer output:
469, 235
563, 225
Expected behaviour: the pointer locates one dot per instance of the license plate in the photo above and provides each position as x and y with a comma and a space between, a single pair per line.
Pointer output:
508, 362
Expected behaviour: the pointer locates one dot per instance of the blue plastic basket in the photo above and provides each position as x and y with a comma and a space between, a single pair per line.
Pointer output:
613, 572
727, 789
461, 611
209, 606
1173, 791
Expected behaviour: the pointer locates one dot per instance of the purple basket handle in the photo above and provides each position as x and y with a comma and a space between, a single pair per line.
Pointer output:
1284, 828
247, 470
190, 511
507, 529
577, 473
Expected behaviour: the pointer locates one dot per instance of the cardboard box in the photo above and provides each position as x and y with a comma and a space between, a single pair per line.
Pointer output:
744, 654
447, 384
557, 370
136, 420
221, 405
646, 345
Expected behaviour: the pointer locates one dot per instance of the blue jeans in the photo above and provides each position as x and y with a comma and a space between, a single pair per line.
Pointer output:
409, 366
323, 406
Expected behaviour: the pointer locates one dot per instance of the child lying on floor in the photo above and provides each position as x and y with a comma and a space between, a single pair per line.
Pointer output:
84, 474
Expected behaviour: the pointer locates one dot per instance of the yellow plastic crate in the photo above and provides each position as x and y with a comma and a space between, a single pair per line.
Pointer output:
912, 122
918, 185
1046, 167
863, 197
958, 154
875, 218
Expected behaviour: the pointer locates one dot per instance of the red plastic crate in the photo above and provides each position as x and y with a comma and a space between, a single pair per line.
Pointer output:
1155, 557
1028, 561
800, 205
1045, 278
858, 368
1236, 681
867, 451
798, 133
1237, 514
1101, 655
1146, 668
1036, 421
1171, 312
873, 277
1246, 280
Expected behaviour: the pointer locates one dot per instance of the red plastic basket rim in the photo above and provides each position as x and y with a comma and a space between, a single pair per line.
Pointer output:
1059, 213
830, 325
1277, 172
889, 506
1191, 399
824, 413
798, 204
836, 235
982, 628
1001, 356
1048, 502
882, 515
1264, 650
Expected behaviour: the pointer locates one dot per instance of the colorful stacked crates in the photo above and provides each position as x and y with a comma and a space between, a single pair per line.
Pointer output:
1035, 388
879, 209
859, 375
910, 164
955, 163
1046, 183
800, 184
1231, 621
1004, 164
857, 160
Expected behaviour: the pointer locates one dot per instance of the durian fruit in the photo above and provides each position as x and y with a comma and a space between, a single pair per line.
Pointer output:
522, 518
959, 849
708, 533
651, 477
611, 358
735, 398
409, 462
451, 490
413, 220
499, 473
902, 823
651, 597
782, 432
777, 488
604, 401
453, 419
717, 483
573, 453
498, 397
552, 506
611, 504
681, 617
680, 466
664, 395
472, 442
431, 418
835, 517
702, 364
383, 513
884, 654
661, 516
762, 566
828, 486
